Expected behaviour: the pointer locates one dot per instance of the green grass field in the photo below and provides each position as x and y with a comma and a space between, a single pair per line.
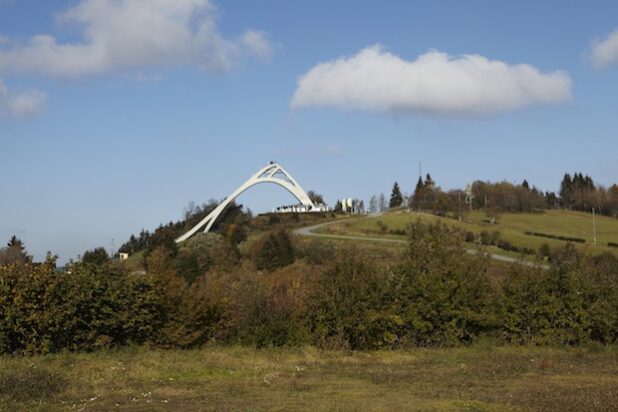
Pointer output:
512, 227
481, 378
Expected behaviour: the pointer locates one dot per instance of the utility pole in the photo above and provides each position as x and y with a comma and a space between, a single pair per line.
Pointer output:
594, 228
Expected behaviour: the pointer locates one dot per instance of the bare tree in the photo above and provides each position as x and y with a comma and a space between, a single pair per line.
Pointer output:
373, 204
382, 204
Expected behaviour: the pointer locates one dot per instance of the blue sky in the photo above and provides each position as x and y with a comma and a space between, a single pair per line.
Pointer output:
93, 150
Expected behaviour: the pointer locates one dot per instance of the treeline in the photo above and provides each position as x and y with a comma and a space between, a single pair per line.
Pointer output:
581, 193
284, 291
578, 192
231, 222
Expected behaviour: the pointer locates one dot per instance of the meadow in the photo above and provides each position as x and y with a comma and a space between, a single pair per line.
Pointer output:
512, 227
479, 378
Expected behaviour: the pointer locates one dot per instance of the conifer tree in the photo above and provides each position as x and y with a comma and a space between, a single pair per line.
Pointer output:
14, 252
429, 183
566, 191
396, 197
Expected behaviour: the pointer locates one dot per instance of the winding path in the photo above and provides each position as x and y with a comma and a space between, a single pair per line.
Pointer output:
310, 231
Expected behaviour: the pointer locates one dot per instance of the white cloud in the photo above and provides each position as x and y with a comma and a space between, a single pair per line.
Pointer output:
133, 34
435, 83
20, 105
257, 42
604, 53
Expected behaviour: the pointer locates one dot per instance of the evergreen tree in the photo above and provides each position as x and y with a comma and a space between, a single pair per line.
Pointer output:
566, 191
429, 183
396, 197
419, 186
14, 252
525, 184
417, 197
97, 256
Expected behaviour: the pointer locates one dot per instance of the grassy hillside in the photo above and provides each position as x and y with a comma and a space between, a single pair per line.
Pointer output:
233, 378
512, 227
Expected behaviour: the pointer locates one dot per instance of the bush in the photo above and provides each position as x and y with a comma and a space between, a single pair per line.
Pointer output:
612, 244
470, 237
494, 238
349, 307
82, 309
443, 295
506, 245
549, 236
544, 251
273, 251
574, 302
485, 238
206, 251
316, 251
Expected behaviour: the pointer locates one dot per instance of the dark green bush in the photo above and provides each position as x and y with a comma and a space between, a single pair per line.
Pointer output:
575, 301
350, 306
82, 309
470, 237
544, 251
443, 296
275, 250
550, 236
485, 238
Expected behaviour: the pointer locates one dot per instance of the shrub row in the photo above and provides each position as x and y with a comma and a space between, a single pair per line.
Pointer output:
550, 236
435, 294
493, 239
45, 311
612, 244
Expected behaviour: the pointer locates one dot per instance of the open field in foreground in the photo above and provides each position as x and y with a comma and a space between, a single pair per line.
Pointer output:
237, 378
512, 227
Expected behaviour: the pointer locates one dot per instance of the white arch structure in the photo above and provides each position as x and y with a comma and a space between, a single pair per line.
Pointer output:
272, 173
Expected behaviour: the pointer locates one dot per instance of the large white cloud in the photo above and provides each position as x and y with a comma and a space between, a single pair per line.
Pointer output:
605, 52
22, 104
133, 34
435, 83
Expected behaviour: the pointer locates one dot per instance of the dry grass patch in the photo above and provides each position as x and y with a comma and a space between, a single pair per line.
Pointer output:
239, 378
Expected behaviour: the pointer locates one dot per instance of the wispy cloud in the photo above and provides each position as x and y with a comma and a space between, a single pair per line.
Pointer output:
18, 105
435, 83
604, 52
